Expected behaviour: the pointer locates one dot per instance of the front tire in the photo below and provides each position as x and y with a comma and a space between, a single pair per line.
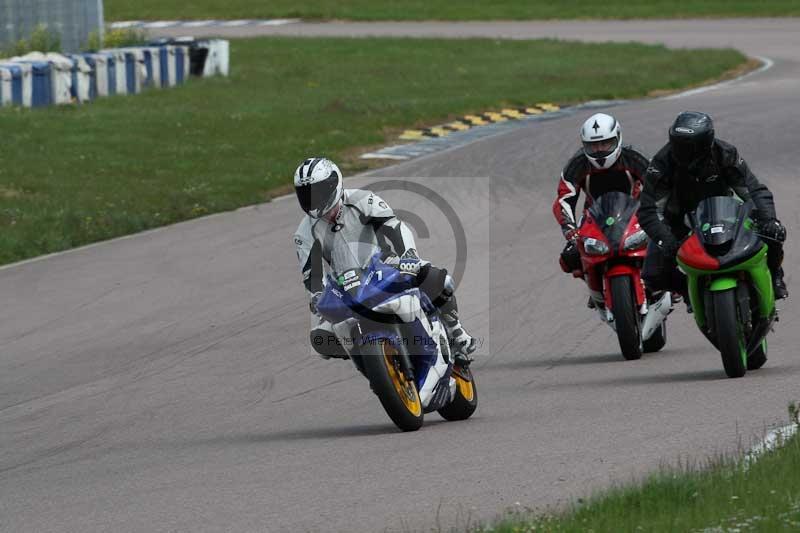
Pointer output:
729, 333
759, 356
398, 395
466, 399
626, 318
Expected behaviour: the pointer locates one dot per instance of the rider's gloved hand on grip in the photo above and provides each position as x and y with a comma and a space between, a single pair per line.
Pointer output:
669, 246
772, 229
571, 233
410, 266
312, 304
570, 259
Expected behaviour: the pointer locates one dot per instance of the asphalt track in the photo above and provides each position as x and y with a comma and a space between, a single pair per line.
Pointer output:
162, 382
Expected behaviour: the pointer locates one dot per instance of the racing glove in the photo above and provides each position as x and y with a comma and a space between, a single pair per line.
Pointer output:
570, 233
772, 230
669, 246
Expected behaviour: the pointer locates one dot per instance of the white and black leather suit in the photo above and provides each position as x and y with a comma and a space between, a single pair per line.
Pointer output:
363, 217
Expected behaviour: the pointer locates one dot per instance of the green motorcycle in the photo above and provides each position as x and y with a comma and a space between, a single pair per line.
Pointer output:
730, 286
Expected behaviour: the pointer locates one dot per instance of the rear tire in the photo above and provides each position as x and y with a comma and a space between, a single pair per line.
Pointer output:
729, 334
626, 317
656, 341
466, 400
398, 396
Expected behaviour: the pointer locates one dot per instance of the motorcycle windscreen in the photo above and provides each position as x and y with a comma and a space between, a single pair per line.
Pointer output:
612, 212
350, 256
716, 219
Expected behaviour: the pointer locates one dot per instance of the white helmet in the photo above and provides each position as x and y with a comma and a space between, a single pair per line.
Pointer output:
602, 140
318, 184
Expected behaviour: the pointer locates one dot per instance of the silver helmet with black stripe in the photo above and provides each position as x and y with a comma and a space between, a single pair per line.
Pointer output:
318, 184
601, 136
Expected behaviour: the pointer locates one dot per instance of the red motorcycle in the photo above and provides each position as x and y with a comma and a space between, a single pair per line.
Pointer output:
612, 247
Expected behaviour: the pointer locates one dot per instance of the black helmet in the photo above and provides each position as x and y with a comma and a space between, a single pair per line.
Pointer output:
691, 138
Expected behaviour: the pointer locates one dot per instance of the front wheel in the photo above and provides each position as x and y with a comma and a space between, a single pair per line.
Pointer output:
626, 317
759, 356
729, 334
398, 395
466, 398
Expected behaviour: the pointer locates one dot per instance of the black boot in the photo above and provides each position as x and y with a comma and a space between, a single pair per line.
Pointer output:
779, 285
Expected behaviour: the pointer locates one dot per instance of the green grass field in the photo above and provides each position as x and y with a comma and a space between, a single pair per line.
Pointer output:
727, 496
75, 175
445, 9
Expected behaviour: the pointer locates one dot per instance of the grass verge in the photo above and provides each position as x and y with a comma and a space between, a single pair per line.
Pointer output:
728, 496
445, 9
75, 175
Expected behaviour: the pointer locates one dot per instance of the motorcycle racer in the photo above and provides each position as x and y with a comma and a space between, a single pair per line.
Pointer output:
692, 166
361, 216
601, 165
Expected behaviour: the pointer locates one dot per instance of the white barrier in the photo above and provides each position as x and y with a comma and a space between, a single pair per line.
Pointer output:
62, 78
81, 79
6, 95
101, 74
218, 60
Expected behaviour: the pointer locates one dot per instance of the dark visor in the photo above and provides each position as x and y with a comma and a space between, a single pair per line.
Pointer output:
315, 196
600, 149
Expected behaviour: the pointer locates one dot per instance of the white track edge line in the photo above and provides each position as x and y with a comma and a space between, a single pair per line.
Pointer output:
772, 440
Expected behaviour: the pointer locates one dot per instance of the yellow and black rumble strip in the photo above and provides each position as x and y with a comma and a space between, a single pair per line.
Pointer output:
470, 121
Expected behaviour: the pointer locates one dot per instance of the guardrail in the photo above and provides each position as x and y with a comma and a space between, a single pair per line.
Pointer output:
38, 79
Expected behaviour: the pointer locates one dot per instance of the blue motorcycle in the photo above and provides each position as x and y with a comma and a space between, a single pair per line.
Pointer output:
394, 336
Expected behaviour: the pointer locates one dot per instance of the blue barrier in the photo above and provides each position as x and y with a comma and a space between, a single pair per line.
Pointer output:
111, 63
181, 60
152, 65
41, 82
21, 89
167, 61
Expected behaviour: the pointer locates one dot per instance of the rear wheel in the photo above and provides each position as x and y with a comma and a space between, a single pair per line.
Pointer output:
730, 340
626, 317
397, 394
466, 399
657, 340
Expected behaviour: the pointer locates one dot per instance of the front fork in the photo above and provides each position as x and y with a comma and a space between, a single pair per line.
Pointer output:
624, 269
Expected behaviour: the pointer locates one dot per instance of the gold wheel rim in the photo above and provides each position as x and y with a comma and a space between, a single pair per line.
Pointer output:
405, 389
465, 388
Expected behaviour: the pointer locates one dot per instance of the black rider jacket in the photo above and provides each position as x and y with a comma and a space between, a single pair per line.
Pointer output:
670, 192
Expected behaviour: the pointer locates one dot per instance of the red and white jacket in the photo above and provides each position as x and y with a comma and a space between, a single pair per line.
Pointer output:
627, 175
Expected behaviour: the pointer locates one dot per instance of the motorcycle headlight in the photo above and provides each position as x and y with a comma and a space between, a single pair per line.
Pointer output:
636, 241
595, 247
